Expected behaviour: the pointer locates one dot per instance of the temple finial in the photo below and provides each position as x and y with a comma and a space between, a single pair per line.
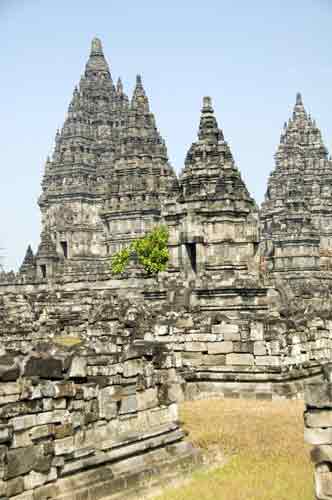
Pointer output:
119, 86
139, 80
208, 126
97, 67
28, 261
29, 253
299, 101
207, 104
140, 99
96, 47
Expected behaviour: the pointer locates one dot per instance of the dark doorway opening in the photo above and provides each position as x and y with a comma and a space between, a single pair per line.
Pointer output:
64, 246
191, 251
43, 270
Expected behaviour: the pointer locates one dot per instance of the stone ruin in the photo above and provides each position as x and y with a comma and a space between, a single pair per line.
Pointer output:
92, 365
318, 432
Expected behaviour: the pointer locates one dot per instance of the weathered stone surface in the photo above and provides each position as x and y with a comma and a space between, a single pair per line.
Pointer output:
12, 487
23, 460
64, 446
318, 418
322, 453
108, 407
185, 323
318, 431
256, 331
6, 433
9, 370
78, 367
44, 367
132, 367
161, 330
195, 346
318, 436
319, 396
147, 399
220, 347
267, 361
128, 405
35, 479
240, 359
260, 348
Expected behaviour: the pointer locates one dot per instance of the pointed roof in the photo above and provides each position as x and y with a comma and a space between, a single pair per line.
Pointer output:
97, 64
209, 166
296, 187
300, 136
29, 257
208, 126
28, 261
47, 248
211, 146
119, 86
140, 136
140, 100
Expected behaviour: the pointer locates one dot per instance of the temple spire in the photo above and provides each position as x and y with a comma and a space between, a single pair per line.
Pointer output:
29, 257
208, 126
300, 136
210, 171
96, 47
299, 112
139, 99
28, 263
119, 87
97, 65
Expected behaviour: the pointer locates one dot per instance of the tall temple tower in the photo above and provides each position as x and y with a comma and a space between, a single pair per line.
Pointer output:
212, 218
139, 178
109, 181
70, 199
296, 216
108, 174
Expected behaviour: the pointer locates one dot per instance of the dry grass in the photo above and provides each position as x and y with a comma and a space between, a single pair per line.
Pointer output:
68, 341
268, 459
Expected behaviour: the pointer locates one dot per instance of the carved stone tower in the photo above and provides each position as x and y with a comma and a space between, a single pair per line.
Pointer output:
296, 216
140, 176
70, 200
212, 218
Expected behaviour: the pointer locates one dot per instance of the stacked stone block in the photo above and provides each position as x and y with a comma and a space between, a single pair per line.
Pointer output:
318, 432
248, 349
258, 357
76, 422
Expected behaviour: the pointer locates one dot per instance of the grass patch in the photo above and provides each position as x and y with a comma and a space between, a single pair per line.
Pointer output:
68, 341
268, 459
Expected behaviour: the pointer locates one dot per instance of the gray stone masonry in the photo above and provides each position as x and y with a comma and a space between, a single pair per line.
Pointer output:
92, 365
76, 421
246, 299
318, 432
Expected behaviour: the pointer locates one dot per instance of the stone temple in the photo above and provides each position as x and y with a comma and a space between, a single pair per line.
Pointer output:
110, 181
95, 363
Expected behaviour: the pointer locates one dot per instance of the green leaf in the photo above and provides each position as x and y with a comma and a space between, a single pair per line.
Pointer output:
151, 251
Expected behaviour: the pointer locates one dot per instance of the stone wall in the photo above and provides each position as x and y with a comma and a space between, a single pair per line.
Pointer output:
261, 357
318, 432
76, 423
228, 341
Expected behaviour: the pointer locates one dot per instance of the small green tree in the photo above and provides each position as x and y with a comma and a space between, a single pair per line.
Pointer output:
120, 260
151, 252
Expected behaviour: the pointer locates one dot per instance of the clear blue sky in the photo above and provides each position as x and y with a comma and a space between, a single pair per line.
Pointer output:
250, 56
